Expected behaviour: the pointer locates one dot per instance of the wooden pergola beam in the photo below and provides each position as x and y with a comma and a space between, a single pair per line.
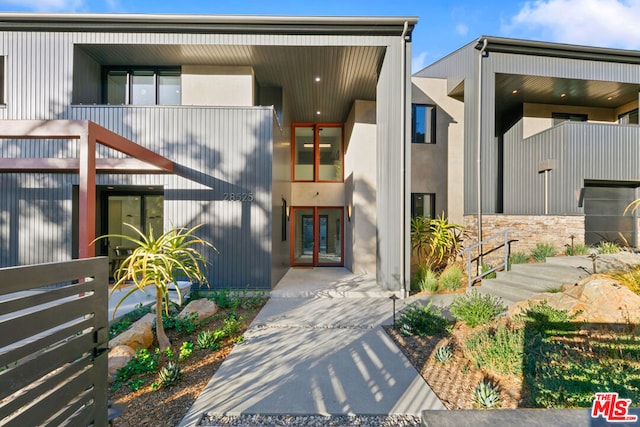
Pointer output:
89, 134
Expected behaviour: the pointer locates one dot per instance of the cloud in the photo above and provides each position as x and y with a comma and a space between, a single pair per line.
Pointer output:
462, 29
418, 62
607, 23
46, 5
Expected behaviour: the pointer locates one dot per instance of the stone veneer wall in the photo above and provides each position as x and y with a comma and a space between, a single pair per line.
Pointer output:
528, 230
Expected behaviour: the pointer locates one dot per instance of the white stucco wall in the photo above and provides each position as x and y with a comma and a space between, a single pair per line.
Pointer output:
217, 85
360, 188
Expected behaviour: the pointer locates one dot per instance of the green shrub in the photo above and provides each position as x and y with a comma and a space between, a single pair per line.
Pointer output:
425, 280
226, 299
186, 324
232, 325
543, 317
578, 249
185, 350
499, 349
142, 362
518, 258
487, 267
451, 278
542, 251
608, 248
421, 320
486, 394
474, 308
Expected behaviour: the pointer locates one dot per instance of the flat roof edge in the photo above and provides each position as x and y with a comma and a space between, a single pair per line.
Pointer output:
183, 22
560, 50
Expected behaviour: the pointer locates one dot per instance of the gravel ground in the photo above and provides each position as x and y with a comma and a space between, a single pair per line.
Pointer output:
310, 421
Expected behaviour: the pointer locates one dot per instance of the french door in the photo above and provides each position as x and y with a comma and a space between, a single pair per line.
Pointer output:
317, 236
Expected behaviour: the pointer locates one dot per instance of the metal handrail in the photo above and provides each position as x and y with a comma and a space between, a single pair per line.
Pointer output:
504, 265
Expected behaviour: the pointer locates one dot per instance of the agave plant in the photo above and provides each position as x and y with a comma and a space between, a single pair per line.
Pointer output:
170, 374
486, 394
158, 261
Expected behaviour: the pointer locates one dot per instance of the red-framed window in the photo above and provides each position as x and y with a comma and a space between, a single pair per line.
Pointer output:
317, 152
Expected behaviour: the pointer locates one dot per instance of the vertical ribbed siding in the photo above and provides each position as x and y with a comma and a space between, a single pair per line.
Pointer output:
218, 151
390, 168
583, 152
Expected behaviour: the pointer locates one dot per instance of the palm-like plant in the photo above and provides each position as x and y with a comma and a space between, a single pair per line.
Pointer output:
435, 241
158, 262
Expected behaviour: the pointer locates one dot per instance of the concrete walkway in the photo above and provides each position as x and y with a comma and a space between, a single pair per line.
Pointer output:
324, 353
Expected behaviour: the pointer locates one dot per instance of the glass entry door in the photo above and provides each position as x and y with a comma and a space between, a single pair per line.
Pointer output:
317, 236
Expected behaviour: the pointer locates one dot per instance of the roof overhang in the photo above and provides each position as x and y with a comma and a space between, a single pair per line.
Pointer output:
558, 50
245, 24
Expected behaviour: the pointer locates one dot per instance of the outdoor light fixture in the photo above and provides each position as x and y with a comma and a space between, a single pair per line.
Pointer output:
349, 212
393, 298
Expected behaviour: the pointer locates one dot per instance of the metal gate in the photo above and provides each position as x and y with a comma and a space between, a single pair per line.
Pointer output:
604, 207
53, 344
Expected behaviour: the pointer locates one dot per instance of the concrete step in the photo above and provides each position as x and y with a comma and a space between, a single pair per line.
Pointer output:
557, 273
533, 283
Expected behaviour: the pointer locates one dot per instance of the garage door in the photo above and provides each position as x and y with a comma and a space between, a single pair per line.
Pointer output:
604, 219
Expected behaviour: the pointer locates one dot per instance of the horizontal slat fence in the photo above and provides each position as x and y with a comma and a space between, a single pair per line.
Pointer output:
53, 342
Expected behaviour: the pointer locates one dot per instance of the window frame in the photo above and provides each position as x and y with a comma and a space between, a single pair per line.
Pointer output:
130, 70
3, 80
432, 134
431, 196
316, 150
629, 114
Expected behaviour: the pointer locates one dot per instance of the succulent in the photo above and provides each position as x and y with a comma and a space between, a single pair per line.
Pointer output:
205, 339
486, 394
170, 374
444, 354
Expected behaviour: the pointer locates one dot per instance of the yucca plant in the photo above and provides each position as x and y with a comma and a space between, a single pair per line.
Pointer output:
157, 262
486, 394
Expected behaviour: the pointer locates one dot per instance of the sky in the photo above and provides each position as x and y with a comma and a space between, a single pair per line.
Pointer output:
443, 26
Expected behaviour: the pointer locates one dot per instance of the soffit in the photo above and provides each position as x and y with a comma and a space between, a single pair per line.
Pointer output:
346, 72
550, 90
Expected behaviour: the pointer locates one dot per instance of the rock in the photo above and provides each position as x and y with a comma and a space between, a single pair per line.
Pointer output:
203, 307
139, 335
600, 300
118, 357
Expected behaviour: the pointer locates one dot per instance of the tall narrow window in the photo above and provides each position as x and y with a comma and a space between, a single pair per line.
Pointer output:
423, 204
423, 124
317, 152
2, 82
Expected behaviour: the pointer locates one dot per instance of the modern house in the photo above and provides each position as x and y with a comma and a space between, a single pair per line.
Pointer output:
544, 135
286, 137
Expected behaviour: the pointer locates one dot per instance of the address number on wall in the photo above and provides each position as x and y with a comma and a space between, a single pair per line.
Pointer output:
238, 197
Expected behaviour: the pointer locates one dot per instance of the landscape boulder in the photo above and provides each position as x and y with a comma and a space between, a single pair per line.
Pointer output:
598, 299
118, 357
139, 335
203, 307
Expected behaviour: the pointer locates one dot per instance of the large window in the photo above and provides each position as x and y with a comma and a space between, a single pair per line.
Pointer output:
423, 204
423, 124
317, 152
142, 86
629, 118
